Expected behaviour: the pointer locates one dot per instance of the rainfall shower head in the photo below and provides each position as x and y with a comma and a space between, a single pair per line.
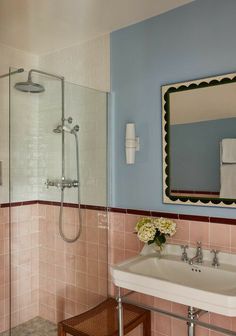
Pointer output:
29, 86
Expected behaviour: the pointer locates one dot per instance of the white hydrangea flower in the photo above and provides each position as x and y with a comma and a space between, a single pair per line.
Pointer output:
147, 232
166, 226
141, 222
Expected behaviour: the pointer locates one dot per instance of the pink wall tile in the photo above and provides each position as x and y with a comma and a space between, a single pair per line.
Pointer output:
92, 218
117, 221
221, 321
118, 239
182, 232
233, 237
116, 255
199, 231
162, 324
132, 242
220, 236
130, 222
202, 331
178, 328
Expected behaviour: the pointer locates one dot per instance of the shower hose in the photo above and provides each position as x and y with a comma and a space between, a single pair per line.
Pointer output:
61, 230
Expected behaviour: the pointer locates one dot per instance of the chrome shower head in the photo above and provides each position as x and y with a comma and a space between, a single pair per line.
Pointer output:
29, 86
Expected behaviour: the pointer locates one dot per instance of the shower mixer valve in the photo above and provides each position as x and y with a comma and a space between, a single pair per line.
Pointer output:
63, 183
69, 120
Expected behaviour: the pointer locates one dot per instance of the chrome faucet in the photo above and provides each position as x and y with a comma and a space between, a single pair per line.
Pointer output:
184, 256
215, 261
198, 258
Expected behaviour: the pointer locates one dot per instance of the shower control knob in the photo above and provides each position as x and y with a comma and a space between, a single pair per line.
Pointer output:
63, 183
49, 183
69, 120
75, 184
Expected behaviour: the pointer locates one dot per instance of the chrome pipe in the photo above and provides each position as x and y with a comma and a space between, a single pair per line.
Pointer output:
12, 73
63, 124
120, 314
46, 74
190, 324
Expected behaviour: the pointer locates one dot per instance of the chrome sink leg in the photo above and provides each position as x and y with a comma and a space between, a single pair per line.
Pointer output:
191, 325
120, 314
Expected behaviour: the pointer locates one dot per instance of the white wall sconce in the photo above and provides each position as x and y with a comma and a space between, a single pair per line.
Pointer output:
131, 143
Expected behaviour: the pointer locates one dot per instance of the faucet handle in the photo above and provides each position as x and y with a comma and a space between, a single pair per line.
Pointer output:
184, 256
199, 244
215, 261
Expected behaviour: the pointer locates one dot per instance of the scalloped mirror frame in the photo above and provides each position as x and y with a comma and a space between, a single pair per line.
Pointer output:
178, 87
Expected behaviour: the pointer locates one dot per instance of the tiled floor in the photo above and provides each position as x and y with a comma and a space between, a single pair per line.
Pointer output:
36, 327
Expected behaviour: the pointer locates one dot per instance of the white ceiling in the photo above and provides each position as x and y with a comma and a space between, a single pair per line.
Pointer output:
43, 26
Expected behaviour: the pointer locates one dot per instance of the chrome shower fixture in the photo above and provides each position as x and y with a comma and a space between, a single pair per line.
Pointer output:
67, 182
63, 183
58, 129
29, 86
67, 129
12, 73
69, 120
32, 87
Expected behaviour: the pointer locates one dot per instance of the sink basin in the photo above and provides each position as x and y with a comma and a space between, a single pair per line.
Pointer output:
201, 286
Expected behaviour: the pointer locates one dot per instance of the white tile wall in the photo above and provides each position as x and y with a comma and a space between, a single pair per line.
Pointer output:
36, 153
87, 107
15, 58
86, 64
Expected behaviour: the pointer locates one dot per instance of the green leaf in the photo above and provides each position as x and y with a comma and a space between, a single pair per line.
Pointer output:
162, 238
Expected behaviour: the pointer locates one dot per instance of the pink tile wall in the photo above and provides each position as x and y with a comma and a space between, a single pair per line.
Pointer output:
72, 277
51, 278
24, 263
4, 269
123, 244
56, 280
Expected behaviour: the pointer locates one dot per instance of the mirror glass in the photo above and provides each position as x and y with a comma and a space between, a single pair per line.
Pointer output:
199, 120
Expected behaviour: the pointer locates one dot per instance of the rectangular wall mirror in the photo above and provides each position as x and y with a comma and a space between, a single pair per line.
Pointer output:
199, 141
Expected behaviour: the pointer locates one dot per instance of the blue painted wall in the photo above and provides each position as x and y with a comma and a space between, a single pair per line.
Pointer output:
195, 153
192, 41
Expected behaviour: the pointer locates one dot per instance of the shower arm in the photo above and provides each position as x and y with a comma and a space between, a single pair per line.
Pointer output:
45, 73
12, 73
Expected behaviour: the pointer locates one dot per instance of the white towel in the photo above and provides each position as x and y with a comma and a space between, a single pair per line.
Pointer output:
228, 151
228, 181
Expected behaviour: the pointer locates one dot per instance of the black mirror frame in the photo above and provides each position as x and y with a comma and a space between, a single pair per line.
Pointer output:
166, 91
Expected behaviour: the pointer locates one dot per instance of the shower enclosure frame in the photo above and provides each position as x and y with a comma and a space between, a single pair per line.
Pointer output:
62, 162
32, 87
9, 74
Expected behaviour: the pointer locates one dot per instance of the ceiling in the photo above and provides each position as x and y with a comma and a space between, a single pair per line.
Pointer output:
43, 26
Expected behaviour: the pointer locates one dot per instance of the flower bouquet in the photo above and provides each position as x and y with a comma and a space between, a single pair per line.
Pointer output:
155, 230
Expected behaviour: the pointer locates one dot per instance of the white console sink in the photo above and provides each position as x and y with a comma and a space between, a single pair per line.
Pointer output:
201, 286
